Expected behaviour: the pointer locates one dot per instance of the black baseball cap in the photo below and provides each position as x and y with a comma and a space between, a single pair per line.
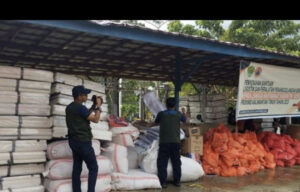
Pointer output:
79, 89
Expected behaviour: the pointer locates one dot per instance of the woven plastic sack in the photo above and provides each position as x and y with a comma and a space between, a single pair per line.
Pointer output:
118, 156
102, 184
62, 150
62, 168
135, 179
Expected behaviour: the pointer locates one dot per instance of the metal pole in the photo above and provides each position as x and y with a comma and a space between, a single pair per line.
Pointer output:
115, 96
120, 97
178, 82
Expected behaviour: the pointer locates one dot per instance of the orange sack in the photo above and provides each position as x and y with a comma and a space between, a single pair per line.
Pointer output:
228, 154
284, 148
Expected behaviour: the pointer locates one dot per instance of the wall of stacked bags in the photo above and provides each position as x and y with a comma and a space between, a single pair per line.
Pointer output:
24, 127
61, 96
30, 125
212, 109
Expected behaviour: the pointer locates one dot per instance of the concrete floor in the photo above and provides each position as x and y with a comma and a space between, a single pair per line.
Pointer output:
278, 180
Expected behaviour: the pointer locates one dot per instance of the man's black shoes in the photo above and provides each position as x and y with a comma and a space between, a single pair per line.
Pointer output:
177, 184
164, 185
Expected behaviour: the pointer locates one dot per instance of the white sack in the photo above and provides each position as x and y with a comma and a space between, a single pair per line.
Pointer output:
7, 109
34, 86
95, 86
58, 110
67, 79
59, 121
36, 122
8, 97
61, 88
102, 184
21, 181
6, 146
133, 161
135, 179
62, 168
12, 83
10, 72
30, 145
190, 169
38, 75
62, 150
34, 98
39, 188
34, 109
4, 158
61, 99
101, 125
102, 135
118, 156
123, 139
28, 157
130, 129
59, 132
23, 169
26, 121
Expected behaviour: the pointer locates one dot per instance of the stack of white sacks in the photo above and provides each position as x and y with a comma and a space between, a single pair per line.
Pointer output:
61, 96
126, 174
24, 127
59, 169
216, 109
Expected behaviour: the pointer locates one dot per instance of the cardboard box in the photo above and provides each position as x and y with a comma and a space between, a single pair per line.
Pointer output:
192, 144
294, 131
192, 131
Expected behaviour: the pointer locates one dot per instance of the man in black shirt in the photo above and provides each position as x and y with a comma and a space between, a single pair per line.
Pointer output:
78, 119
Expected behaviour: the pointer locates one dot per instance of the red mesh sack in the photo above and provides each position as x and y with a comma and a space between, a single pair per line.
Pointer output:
280, 163
290, 163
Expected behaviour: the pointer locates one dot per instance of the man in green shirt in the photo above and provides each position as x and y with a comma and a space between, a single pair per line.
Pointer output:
80, 136
169, 142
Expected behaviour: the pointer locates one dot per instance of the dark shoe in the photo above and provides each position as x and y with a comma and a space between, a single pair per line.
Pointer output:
177, 184
164, 185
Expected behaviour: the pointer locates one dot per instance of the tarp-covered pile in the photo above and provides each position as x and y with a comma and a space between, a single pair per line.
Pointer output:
286, 150
24, 127
235, 154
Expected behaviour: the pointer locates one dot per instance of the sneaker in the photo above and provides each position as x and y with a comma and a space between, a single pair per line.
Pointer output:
164, 185
177, 184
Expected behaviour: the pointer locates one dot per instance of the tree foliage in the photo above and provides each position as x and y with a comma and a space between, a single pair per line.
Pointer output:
275, 35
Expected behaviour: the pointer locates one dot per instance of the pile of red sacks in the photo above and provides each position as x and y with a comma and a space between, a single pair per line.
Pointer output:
286, 150
115, 121
228, 154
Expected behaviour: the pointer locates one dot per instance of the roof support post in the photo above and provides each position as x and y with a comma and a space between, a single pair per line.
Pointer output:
178, 80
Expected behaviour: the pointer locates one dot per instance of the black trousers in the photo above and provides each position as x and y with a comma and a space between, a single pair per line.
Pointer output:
166, 151
83, 151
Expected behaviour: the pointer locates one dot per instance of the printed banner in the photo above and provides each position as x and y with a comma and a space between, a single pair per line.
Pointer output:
267, 91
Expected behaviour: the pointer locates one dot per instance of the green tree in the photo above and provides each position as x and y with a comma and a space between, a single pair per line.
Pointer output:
276, 35
204, 28
210, 28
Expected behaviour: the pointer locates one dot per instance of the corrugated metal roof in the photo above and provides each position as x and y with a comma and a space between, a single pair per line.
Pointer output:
120, 50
